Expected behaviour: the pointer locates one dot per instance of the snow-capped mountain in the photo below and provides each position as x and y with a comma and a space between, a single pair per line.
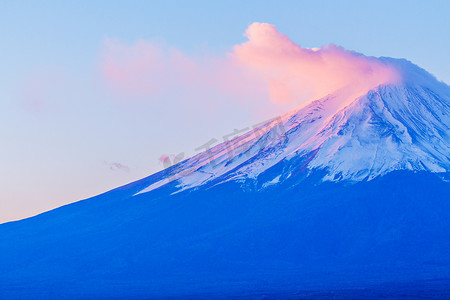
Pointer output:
403, 126
347, 193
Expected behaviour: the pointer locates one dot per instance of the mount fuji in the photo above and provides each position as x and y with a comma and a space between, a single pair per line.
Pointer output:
348, 196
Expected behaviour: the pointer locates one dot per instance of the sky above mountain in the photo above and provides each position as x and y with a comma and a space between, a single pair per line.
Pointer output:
96, 95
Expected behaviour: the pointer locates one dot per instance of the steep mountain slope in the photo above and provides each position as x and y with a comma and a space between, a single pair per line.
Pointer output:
225, 241
395, 127
345, 193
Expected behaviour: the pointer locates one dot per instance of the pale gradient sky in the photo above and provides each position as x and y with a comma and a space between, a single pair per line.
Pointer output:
67, 134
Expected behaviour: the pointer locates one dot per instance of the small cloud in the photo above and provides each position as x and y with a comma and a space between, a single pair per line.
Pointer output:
115, 166
164, 158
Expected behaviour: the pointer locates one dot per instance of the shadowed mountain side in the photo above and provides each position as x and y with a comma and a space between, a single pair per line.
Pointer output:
224, 240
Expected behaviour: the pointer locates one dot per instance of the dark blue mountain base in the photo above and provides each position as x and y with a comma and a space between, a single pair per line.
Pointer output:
389, 236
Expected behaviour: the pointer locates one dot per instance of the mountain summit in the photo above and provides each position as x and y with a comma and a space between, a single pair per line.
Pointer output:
405, 126
345, 196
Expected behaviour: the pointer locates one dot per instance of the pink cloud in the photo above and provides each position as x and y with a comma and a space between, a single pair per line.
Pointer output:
269, 65
134, 70
292, 72
164, 158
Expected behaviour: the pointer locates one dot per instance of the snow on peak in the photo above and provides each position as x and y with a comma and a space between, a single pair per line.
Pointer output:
403, 126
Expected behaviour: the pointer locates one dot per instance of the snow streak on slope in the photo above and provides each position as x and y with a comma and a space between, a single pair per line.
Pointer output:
405, 126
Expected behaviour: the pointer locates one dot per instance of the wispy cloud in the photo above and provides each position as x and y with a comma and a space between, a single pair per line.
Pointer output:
115, 166
268, 65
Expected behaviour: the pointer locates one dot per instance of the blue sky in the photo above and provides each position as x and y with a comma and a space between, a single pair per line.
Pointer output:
74, 139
